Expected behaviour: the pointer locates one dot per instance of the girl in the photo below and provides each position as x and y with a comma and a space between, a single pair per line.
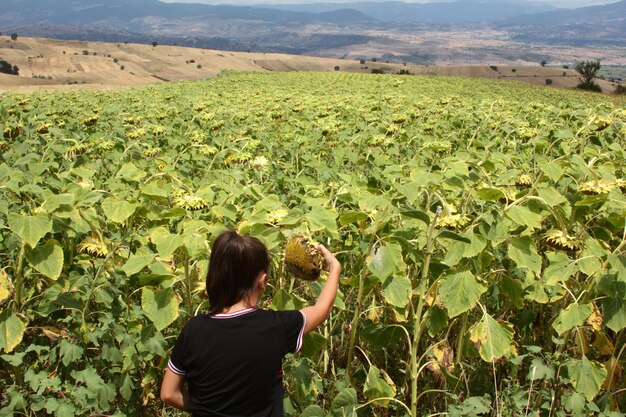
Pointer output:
228, 362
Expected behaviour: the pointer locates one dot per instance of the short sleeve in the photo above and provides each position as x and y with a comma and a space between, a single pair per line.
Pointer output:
177, 363
293, 323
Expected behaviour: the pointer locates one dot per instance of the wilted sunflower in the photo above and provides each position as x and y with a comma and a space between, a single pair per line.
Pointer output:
132, 120
137, 133
453, 221
158, 130
73, 151
94, 246
437, 145
561, 240
90, 120
600, 122
620, 183
524, 179
44, 128
208, 150
276, 215
152, 152
259, 162
302, 258
191, 202
596, 187
11, 132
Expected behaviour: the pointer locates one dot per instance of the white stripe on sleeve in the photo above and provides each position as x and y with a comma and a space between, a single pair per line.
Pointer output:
175, 369
301, 334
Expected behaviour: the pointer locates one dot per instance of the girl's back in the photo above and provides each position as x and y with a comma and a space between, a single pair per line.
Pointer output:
232, 361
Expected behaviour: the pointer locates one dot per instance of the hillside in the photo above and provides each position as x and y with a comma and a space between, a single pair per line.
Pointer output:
56, 64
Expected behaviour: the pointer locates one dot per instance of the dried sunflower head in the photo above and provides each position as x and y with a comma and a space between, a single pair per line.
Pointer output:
561, 240
302, 258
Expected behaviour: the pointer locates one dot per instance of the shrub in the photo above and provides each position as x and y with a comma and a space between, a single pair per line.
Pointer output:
362, 62
337, 68
589, 86
7, 68
199, 66
115, 60
378, 71
404, 72
494, 67
374, 59
85, 52
565, 66
13, 36
513, 69
122, 67
620, 89
548, 81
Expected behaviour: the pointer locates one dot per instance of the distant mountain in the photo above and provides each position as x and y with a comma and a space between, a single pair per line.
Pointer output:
460, 11
120, 13
594, 25
614, 12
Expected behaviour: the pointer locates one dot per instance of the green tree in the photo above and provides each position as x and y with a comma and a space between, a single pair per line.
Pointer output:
14, 36
7, 68
587, 71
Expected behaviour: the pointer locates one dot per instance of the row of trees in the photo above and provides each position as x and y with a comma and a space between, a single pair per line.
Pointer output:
7, 68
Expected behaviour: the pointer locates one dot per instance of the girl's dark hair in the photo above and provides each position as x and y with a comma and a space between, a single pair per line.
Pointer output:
235, 263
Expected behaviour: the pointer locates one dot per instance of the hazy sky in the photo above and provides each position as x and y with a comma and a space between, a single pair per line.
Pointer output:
555, 3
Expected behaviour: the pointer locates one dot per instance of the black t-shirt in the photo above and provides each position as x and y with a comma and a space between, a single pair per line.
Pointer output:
233, 362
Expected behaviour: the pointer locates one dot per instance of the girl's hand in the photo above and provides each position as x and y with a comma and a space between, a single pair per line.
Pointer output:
331, 263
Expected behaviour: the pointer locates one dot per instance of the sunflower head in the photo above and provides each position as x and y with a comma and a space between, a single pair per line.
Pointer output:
90, 120
453, 221
561, 240
190, 202
302, 258
94, 246
596, 187
524, 180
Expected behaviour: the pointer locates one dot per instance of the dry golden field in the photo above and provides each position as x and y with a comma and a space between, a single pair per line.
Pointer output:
54, 64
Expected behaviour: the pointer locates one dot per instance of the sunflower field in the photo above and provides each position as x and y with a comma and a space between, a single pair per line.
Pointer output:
480, 224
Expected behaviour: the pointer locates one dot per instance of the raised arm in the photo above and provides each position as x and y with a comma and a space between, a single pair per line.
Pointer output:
316, 314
